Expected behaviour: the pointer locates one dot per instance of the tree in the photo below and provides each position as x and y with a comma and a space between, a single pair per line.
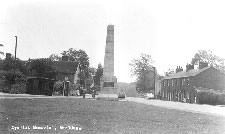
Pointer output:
55, 57
209, 57
44, 68
10, 64
83, 59
89, 81
169, 72
144, 71
98, 75
20, 71
79, 56
1, 53
92, 70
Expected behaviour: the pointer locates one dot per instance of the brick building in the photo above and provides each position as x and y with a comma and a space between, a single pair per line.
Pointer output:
158, 87
182, 85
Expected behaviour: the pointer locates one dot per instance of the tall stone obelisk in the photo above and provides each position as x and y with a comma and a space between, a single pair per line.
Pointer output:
108, 82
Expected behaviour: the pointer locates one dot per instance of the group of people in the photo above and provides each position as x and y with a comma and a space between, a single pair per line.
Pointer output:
65, 89
84, 91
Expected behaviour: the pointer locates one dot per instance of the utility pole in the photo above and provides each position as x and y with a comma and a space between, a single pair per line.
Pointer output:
15, 48
15, 62
154, 80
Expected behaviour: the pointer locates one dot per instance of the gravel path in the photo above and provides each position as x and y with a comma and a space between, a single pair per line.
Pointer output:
206, 109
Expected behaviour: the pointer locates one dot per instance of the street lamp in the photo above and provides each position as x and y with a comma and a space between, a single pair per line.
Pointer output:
14, 69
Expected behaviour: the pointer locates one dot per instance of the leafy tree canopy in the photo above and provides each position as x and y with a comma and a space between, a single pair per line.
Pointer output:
55, 57
144, 71
82, 58
78, 56
1, 53
209, 57
74, 55
10, 64
98, 74
43, 68
20, 71
169, 72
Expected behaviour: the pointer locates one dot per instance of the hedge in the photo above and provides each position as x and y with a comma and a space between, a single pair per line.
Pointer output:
211, 98
18, 89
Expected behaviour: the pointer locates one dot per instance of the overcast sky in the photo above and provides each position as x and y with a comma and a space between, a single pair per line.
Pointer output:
170, 31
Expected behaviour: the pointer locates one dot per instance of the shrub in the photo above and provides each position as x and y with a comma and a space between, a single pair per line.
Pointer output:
221, 99
6, 90
58, 88
18, 89
211, 98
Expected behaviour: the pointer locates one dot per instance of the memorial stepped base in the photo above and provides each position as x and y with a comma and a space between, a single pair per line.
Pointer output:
107, 97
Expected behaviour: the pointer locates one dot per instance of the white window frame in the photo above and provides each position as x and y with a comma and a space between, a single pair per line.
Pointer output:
172, 82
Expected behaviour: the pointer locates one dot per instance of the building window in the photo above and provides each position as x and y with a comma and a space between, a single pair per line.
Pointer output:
188, 81
177, 82
168, 83
164, 83
187, 95
172, 83
183, 81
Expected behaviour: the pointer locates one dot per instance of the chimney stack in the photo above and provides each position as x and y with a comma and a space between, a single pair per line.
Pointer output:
65, 58
202, 64
8, 56
189, 67
179, 69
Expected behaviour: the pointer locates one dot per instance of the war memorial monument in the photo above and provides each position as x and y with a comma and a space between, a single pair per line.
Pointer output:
108, 82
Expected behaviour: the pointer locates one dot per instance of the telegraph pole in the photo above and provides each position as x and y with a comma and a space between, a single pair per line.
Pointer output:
154, 80
15, 48
15, 62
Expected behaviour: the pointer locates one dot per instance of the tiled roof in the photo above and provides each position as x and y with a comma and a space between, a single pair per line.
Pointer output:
192, 72
66, 66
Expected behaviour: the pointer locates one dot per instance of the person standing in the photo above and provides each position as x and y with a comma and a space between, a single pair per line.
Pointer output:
84, 91
93, 92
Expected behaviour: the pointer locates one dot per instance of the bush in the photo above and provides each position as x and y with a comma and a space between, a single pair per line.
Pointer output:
6, 90
58, 88
18, 89
211, 98
221, 99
